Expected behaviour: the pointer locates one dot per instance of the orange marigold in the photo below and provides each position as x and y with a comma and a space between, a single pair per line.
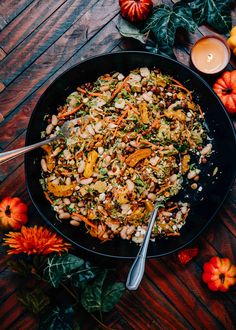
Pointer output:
35, 240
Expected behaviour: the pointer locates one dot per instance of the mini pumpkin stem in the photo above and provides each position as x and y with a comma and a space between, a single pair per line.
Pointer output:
8, 211
222, 278
227, 90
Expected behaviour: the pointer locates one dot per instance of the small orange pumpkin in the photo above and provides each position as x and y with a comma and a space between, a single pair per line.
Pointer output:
13, 213
135, 10
219, 274
225, 88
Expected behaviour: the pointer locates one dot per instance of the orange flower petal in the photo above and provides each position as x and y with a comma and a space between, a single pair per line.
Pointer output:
35, 240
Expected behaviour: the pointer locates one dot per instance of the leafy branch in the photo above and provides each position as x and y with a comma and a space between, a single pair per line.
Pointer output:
158, 32
91, 288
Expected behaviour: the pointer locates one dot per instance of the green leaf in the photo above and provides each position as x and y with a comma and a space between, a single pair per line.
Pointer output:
164, 22
129, 30
102, 296
20, 266
92, 295
111, 295
60, 268
214, 12
84, 274
35, 301
60, 318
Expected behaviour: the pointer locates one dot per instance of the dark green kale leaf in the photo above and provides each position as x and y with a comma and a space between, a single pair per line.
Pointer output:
61, 268
60, 318
102, 295
35, 301
164, 22
214, 12
130, 30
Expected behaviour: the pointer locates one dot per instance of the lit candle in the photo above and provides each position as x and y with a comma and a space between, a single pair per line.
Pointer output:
210, 54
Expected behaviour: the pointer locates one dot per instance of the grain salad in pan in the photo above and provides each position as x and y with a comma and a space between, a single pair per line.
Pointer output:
132, 142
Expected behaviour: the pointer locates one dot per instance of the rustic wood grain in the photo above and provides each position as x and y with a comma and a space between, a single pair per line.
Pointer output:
25, 322
227, 214
9, 9
2, 54
10, 310
104, 41
149, 299
14, 184
217, 304
2, 87
178, 292
28, 20
42, 37
222, 239
55, 56
3, 23
8, 287
10, 166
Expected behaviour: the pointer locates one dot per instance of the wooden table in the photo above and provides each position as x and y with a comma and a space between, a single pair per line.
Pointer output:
38, 41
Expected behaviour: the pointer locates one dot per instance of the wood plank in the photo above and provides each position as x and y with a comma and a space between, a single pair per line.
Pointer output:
129, 307
26, 22
10, 166
114, 320
14, 184
42, 37
217, 303
227, 216
150, 298
62, 50
3, 262
3, 22
26, 321
2, 87
168, 282
8, 285
11, 8
2, 54
15, 124
10, 310
222, 239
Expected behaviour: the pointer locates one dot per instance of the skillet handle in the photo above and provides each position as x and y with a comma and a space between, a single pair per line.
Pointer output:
137, 270
8, 155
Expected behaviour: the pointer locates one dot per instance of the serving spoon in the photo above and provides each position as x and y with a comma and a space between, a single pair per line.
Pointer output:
63, 133
137, 269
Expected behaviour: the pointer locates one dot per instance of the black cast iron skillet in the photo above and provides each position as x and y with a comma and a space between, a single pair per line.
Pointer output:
205, 204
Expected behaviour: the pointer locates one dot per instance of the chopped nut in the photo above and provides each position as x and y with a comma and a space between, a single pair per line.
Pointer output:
194, 186
100, 186
215, 171
206, 150
196, 178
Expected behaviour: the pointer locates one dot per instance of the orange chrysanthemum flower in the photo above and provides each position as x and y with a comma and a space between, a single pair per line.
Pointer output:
35, 240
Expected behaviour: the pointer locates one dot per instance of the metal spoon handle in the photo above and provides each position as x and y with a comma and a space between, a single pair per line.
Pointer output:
137, 270
6, 156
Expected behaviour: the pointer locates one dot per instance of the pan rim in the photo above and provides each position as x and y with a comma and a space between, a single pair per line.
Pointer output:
107, 254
